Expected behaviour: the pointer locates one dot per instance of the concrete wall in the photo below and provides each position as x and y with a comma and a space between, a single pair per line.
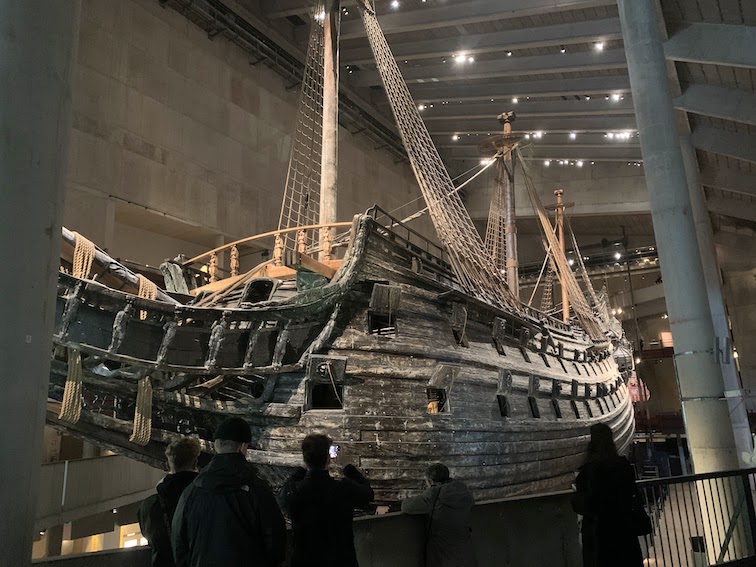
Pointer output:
598, 189
178, 141
525, 532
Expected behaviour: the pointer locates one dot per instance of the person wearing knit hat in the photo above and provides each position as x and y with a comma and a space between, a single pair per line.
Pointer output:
228, 516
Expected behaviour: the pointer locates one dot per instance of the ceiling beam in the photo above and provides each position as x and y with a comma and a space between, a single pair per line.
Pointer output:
504, 90
586, 140
551, 153
551, 125
526, 38
726, 179
735, 208
720, 102
462, 13
722, 142
503, 67
529, 109
714, 44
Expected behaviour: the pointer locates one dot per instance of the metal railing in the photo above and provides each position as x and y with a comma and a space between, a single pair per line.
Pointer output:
703, 519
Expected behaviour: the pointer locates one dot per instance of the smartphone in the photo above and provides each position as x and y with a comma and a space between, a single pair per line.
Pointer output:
333, 451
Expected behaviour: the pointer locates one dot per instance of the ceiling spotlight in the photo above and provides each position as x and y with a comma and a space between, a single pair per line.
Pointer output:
573, 135
509, 54
571, 262
486, 161
421, 107
395, 4
460, 57
538, 135
547, 163
515, 100
320, 16
599, 46
616, 97
579, 164
619, 310
455, 137
471, 59
637, 360
617, 255
527, 136
610, 135
563, 49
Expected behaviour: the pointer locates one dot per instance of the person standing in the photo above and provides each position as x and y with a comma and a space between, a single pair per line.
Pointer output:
228, 517
156, 512
448, 505
605, 497
321, 508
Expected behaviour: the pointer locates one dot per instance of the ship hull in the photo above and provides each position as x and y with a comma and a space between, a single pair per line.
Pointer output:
389, 359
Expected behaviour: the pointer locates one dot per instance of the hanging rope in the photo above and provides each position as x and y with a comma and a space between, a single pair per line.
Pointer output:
147, 290
143, 413
540, 275
83, 255
70, 408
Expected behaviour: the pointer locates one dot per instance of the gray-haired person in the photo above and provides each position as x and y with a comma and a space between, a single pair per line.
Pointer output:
448, 504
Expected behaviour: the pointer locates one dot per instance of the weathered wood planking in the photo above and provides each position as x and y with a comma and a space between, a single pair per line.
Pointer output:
385, 330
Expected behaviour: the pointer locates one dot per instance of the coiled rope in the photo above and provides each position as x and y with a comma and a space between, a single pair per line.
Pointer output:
70, 409
84, 252
143, 413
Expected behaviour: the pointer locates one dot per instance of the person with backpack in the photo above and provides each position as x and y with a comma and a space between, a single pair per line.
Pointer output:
228, 516
448, 505
156, 512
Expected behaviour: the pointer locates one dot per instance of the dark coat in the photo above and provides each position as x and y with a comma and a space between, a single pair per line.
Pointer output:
228, 517
449, 510
605, 496
321, 510
156, 514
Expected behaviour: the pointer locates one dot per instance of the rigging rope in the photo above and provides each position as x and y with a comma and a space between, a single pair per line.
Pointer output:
83, 255
301, 201
70, 407
474, 269
495, 242
580, 306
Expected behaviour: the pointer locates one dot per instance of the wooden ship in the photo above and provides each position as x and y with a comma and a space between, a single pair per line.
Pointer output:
403, 350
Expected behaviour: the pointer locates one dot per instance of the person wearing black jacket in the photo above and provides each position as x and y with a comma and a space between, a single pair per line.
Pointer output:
156, 512
606, 496
321, 508
228, 516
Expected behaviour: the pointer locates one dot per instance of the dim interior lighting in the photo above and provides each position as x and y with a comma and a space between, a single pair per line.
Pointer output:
616, 97
515, 100
573, 135
547, 163
617, 255
579, 164
599, 46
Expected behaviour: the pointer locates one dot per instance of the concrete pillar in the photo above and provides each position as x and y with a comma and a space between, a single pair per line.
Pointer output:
38, 42
54, 541
329, 165
699, 377
738, 410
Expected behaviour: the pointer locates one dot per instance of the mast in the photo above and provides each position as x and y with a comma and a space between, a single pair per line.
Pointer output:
330, 148
562, 243
510, 226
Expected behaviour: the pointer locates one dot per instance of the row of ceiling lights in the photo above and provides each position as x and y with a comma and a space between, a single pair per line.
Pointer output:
625, 135
515, 100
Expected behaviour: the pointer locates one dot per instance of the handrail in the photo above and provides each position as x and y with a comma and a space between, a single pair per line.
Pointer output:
264, 235
694, 477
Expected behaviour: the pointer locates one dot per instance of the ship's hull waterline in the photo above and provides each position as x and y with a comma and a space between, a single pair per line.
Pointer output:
391, 362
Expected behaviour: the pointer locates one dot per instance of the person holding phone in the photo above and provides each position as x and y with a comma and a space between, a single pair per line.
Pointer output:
321, 508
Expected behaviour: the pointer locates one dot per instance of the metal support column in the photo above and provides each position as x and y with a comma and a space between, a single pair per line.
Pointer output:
38, 42
699, 377
329, 167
